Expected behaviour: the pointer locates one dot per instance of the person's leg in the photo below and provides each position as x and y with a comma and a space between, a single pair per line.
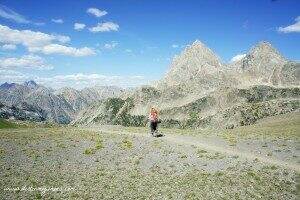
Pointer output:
152, 127
155, 126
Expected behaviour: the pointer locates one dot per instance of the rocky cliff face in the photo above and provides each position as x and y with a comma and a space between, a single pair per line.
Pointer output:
196, 70
265, 65
110, 111
59, 106
231, 107
194, 62
72, 97
22, 112
96, 93
54, 108
80, 99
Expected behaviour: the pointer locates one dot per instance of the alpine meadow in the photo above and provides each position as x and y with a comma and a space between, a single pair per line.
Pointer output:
140, 99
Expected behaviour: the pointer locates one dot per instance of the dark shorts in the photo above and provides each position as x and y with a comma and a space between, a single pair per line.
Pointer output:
153, 126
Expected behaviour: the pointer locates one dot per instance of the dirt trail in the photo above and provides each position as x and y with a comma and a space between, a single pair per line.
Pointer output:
188, 140
204, 144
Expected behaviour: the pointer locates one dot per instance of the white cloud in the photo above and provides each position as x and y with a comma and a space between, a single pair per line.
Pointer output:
291, 28
64, 50
29, 38
77, 81
9, 14
9, 47
175, 46
80, 77
128, 50
81, 80
79, 26
7, 75
111, 45
39, 23
96, 12
238, 57
12, 15
9, 72
57, 21
105, 27
27, 61
41, 42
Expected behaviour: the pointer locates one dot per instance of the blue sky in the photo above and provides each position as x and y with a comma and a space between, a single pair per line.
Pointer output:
133, 41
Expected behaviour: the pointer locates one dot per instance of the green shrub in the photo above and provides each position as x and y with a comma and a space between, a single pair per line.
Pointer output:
89, 151
127, 144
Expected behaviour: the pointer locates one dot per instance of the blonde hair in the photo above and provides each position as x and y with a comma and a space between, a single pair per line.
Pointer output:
152, 109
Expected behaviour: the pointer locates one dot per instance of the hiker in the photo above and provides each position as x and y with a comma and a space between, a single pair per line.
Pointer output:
153, 118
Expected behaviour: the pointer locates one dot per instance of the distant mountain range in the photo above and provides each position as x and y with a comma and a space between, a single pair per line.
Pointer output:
197, 91
200, 91
58, 106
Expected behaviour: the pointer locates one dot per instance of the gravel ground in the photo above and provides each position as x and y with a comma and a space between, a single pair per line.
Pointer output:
127, 163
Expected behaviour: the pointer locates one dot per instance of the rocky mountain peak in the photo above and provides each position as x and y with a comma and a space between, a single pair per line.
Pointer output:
262, 55
31, 84
196, 57
263, 63
197, 44
198, 50
196, 62
7, 85
263, 49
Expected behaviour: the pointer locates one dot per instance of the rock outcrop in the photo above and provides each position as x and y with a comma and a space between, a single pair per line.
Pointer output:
23, 112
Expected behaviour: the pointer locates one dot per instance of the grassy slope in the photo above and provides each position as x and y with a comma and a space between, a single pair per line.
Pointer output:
282, 126
285, 126
6, 124
105, 166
